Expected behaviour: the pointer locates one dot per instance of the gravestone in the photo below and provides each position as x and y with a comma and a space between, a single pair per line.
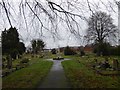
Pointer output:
115, 64
105, 64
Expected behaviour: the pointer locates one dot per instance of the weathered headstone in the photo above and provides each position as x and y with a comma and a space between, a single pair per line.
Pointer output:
115, 64
105, 64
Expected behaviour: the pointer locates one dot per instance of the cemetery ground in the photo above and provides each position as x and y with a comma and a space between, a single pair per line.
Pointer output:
28, 77
79, 71
81, 74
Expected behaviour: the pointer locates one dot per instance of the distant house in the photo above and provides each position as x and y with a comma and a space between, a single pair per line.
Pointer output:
74, 48
62, 49
47, 50
88, 48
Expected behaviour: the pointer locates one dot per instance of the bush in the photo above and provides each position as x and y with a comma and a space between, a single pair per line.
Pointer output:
106, 49
118, 50
102, 49
115, 50
69, 51
82, 53
53, 51
24, 60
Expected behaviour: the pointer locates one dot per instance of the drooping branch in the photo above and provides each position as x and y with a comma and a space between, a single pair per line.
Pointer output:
90, 7
42, 26
44, 10
69, 18
68, 13
51, 4
7, 13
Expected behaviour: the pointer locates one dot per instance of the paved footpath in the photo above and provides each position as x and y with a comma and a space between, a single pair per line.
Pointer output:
56, 77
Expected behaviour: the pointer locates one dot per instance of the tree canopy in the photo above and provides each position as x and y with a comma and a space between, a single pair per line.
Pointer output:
37, 45
101, 28
101, 31
11, 44
39, 16
69, 51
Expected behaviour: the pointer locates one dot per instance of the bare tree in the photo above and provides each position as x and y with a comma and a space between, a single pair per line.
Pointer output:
48, 15
101, 27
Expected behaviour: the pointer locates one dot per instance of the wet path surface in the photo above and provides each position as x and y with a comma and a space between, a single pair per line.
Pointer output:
56, 77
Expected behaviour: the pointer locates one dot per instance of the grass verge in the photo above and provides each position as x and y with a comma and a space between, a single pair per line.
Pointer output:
81, 76
28, 77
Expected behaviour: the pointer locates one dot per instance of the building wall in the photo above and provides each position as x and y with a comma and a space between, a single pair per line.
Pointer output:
88, 48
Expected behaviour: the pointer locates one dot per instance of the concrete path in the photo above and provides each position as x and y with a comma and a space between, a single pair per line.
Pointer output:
56, 77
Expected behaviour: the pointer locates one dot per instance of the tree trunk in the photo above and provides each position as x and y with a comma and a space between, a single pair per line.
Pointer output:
9, 62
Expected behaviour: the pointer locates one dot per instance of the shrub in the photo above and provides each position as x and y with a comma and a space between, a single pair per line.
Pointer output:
53, 51
24, 60
102, 49
69, 51
118, 50
82, 53
115, 50
106, 49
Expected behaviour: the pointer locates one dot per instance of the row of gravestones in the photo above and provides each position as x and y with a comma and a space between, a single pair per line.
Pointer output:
106, 64
9, 71
12, 69
116, 64
37, 56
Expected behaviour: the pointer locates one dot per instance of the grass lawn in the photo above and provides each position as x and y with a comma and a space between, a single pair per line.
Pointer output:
28, 77
81, 75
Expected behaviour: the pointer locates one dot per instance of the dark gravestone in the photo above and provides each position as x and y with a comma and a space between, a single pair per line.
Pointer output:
19, 56
115, 64
105, 64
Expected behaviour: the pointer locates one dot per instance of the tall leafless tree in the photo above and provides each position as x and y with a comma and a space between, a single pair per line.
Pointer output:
101, 28
69, 14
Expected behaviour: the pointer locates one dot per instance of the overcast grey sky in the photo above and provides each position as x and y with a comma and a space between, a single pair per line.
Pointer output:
65, 37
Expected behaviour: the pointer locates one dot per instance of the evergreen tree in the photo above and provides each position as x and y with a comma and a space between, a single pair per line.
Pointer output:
11, 45
37, 45
10, 40
69, 51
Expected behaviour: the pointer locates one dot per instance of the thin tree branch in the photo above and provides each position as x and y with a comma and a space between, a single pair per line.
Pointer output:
6, 13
